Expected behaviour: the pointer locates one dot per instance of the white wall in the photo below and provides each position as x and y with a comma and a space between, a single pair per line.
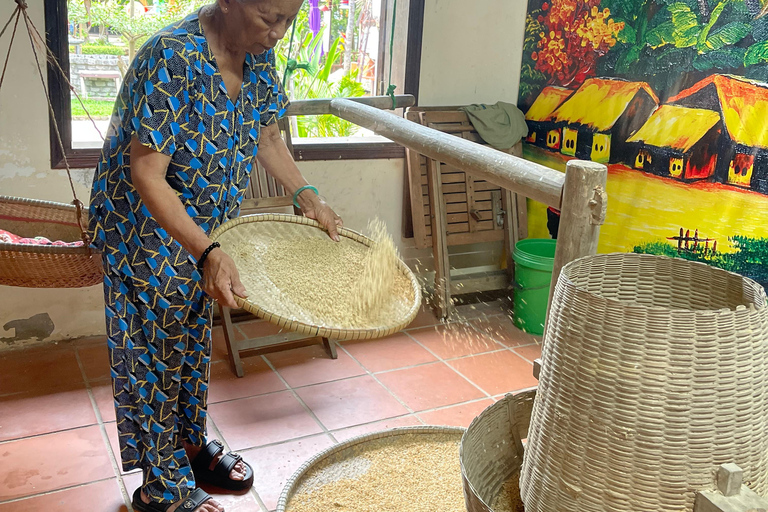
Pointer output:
471, 51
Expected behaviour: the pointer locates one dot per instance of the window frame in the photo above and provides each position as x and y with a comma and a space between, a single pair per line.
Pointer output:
57, 38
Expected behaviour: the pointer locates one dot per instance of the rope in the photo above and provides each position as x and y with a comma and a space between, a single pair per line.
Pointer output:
21, 10
55, 62
391, 88
17, 11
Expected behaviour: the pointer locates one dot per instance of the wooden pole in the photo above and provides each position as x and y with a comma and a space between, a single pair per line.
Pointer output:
581, 215
527, 178
323, 106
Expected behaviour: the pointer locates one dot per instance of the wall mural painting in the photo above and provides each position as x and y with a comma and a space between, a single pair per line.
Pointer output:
673, 97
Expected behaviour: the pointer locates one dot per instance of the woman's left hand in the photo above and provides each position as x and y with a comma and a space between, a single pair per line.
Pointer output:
322, 213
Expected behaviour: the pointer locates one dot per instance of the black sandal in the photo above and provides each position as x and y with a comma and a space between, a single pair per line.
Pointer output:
190, 503
219, 475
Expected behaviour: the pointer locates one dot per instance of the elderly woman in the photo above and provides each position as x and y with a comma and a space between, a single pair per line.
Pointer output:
198, 107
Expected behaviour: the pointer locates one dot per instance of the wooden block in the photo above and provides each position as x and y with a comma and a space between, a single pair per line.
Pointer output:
745, 501
729, 479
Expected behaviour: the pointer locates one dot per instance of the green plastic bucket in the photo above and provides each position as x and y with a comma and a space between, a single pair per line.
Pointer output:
534, 260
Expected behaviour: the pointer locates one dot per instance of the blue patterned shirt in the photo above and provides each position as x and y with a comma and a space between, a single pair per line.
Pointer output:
174, 100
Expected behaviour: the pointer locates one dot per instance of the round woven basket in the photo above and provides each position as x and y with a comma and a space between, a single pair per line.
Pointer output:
491, 450
352, 448
275, 226
45, 266
653, 374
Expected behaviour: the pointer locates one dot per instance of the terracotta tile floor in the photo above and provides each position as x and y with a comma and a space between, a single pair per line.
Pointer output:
58, 439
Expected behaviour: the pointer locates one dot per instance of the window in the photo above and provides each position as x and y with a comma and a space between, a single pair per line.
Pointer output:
95, 40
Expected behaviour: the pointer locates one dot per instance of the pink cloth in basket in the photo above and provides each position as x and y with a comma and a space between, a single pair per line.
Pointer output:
10, 238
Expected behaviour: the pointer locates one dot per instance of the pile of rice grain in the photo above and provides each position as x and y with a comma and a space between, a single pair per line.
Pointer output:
413, 476
508, 499
333, 284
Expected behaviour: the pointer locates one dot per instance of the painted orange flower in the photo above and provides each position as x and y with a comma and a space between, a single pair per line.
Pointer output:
575, 34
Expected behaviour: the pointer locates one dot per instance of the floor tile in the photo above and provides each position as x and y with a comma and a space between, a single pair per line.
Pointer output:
244, 502
390, 353
219, 345
105, 401
29, 414
312, 365
95, 361
498, 372
36, 370
457, 415
429, 386
454, 340
503, 330
528, 352
350, 402
259, 379
348, 433
104, 496
426, 317
257, 329
53, 461
262, 420
274, 465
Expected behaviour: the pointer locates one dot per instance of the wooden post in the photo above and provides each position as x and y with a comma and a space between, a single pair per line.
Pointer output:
439, 240
581, 214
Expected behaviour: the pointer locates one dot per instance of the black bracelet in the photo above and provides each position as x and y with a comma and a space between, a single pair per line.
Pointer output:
206, 252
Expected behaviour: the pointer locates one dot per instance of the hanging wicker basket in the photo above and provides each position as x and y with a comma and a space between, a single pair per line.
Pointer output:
262, 299
36, 266
654, 372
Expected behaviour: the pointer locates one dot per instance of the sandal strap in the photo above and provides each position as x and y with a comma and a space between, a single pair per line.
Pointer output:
227, 463
194, 500
209, 454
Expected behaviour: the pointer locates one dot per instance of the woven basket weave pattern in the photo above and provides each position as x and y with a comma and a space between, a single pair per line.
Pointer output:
492, 449
274, 226
36, 266
653, 374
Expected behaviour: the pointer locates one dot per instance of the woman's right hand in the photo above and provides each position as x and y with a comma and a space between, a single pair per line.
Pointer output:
221, 279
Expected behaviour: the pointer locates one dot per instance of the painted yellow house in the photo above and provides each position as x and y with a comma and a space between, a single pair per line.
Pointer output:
742, 104
541, 130
601, 115
678, 142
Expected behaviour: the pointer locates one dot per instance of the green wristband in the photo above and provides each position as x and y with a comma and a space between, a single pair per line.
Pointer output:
302, 189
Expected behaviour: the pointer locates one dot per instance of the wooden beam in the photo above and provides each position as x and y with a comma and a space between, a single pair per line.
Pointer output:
323, 106
581, 215
527, 178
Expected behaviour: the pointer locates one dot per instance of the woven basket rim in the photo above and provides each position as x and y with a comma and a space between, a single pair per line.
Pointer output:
288, 489
760, 291
335, 333
81, 250
37, 202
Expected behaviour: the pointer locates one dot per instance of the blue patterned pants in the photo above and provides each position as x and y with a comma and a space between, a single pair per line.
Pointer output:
160, 351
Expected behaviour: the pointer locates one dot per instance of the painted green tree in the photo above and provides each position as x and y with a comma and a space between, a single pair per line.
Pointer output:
671, 44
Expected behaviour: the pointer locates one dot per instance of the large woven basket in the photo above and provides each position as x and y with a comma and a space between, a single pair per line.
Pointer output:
353, 448
36, 266
282, 226
653, 374
492, 449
